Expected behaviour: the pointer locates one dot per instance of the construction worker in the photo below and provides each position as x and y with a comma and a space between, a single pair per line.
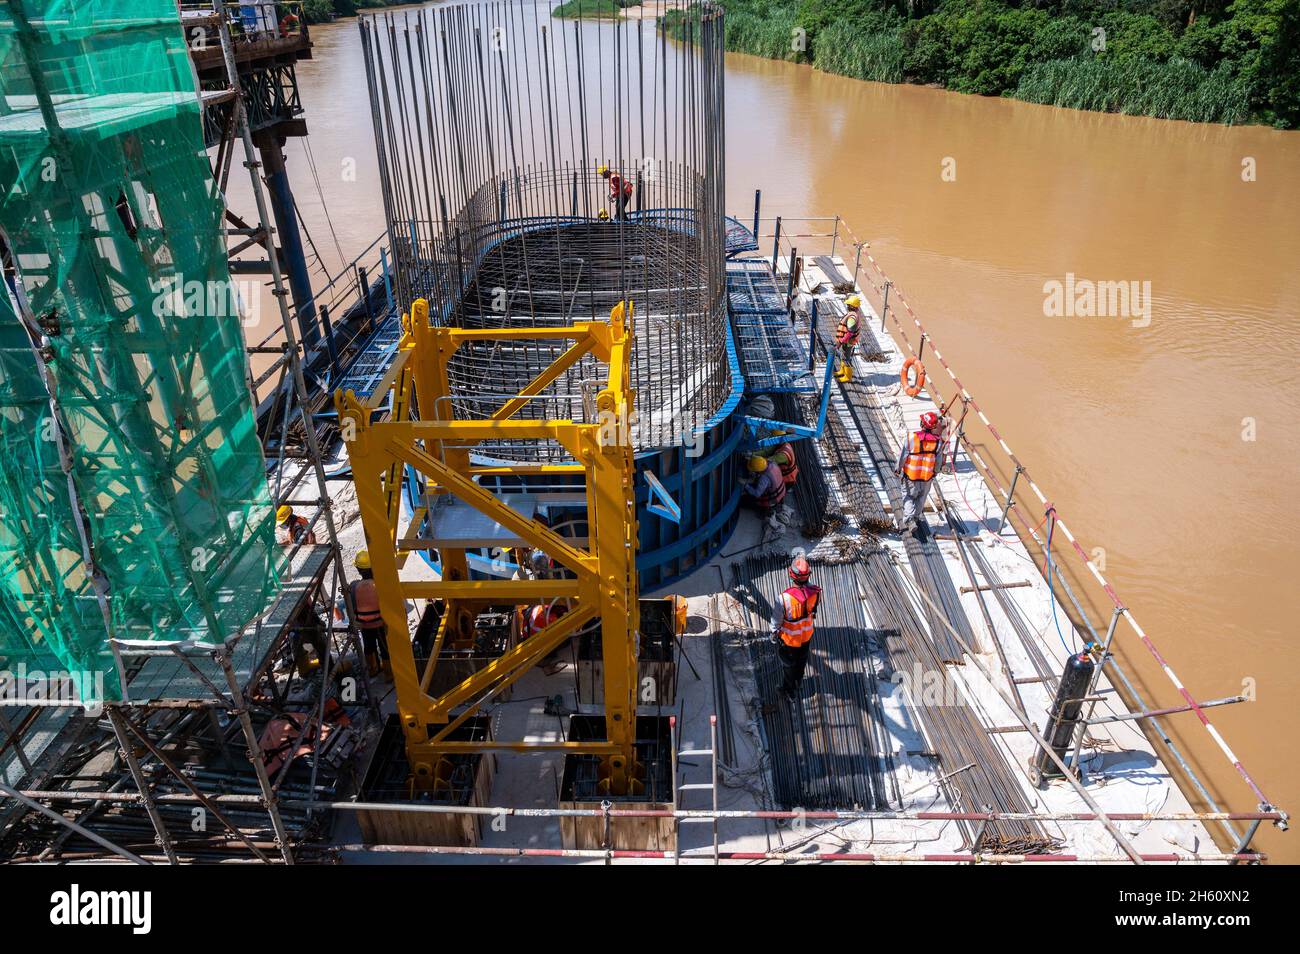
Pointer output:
919, 459
537, 618
847, 333
783, 457
793, 626
765, 490
620, 192
291, 529
365, 609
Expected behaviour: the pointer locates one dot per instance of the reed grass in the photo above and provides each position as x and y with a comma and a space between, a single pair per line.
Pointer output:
768, 33
1175, 89
866, 54
588, 9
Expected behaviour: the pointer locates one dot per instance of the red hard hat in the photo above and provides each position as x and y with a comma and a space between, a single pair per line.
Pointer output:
929, 419
800, 570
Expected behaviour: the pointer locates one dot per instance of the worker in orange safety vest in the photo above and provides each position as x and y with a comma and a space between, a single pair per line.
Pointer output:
620, 191
766, 488
793, 626
784, 458
919, 459
847, 333
291, 528
366, 616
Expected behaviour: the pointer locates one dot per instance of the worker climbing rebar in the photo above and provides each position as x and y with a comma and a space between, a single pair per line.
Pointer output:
793, 625
918, 462
620, 191
847, 333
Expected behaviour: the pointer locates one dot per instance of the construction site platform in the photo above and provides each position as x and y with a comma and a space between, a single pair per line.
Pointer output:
892, 727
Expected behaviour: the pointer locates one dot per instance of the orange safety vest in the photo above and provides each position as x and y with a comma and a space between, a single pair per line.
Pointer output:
790, 469
846, 332
617, 186
777, 493
922, 456
539, 617
365, 603
296, 531
800, 604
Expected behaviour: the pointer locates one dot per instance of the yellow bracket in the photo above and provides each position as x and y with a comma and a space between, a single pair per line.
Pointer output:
603, 582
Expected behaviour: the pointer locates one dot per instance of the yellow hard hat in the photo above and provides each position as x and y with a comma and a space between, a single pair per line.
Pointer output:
362, 561
283, 514
603, 214
603, 171
758, 463
853, 301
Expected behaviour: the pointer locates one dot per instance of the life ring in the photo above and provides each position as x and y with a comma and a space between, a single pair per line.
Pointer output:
912, 390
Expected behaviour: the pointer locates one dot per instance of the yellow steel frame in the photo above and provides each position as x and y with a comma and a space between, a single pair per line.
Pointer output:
603, 583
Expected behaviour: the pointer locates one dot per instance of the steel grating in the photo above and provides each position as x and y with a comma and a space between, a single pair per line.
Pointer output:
739, 237
772, 356
374, 360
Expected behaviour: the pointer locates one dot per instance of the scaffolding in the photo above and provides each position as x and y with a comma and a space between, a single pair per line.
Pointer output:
225, 670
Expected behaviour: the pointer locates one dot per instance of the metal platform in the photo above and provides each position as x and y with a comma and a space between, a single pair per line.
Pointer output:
454, 523
772, 356
374, 360
740, 237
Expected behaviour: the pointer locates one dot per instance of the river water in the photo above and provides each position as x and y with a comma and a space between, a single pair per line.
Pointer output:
1165, 437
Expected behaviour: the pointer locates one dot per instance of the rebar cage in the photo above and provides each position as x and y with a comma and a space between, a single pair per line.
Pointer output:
536, 172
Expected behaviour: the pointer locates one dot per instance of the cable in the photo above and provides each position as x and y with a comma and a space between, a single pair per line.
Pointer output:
1051, 591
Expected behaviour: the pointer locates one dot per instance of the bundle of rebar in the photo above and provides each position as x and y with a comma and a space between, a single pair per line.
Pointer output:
977, 775
827, 748
810, 494
922, 549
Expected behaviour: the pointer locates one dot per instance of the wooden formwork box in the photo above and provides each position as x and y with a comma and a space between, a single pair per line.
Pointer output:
625, 834
660, 624
591, 682
454, 665
380, 826
454, 668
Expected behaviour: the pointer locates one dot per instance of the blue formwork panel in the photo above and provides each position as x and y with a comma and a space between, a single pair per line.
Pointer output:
704, 480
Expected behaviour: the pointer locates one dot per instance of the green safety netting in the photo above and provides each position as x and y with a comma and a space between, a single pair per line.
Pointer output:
112, 224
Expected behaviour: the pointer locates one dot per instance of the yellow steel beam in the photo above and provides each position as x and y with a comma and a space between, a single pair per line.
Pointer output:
517, 592
573, 332
515, 662
380, 393
485, 502
538, 384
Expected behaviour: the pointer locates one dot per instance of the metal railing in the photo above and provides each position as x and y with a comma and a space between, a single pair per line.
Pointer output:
1005, 475
253, 21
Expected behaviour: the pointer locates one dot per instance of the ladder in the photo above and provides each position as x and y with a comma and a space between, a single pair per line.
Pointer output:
711, 785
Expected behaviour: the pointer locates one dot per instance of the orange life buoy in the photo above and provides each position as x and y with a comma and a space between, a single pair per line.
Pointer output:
910, 389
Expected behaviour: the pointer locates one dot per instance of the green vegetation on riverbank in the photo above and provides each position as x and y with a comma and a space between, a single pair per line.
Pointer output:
592, 9
1225, 61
